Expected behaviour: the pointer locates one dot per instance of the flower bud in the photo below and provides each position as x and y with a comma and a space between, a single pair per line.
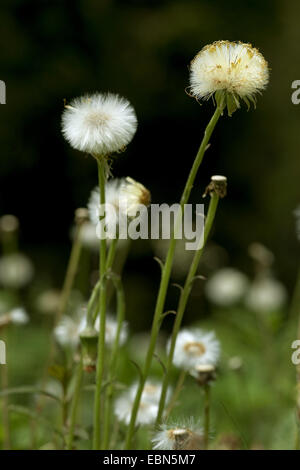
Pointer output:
89, 344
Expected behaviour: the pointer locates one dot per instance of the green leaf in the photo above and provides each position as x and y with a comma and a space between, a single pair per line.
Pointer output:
232, 103
58, 372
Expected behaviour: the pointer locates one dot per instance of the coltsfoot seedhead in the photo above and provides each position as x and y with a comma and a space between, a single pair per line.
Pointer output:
218, 184
204, 374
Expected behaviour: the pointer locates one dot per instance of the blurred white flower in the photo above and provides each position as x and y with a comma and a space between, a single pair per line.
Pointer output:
67, 332
99, 124
123, 197
266, 295
47, 302
111, 327
88, 236
18, 316
226, 287
177, 437
195, 347
16, 270
112, 200
148, 406
261, 254
9, 223
234, 69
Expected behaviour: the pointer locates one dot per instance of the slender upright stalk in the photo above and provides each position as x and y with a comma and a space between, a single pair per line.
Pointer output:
206, 414
295, 312
184, 295
5, 405
65, 294
74, 404
176, 393
70, 274
166, 273
111, 253
113, 360
294, 315
102, 311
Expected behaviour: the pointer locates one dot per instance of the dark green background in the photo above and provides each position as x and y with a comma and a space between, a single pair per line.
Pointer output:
51, 50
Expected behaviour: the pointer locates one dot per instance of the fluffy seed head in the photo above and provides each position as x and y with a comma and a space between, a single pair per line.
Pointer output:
123, 198
99, 124
16, 270
266, 295
67, 332
195, 347
176, 437
234, 69
132, 196
18, 316
112, 198
148, 406
226, 287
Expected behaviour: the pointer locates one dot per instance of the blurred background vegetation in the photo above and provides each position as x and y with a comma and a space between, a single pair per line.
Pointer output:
54, 50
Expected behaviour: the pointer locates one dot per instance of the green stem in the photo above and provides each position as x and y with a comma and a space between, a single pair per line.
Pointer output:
111, 253
66, 290
92, 312
206, 415
102, 311
70, 274
113, 360
176, 393
74, 404
295, 302
5, 403
184, 296
166, 273
295, 313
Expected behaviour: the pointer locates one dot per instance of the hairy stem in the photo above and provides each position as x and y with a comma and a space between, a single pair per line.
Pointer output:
206, 415
113, 361
74, 404
166, 273
184, 296
98, 406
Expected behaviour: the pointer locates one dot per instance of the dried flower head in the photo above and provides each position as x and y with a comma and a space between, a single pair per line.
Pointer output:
99, 124
123, 198
230, 71
204, 373
226, 287
132, 196
177, 437
195, 347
